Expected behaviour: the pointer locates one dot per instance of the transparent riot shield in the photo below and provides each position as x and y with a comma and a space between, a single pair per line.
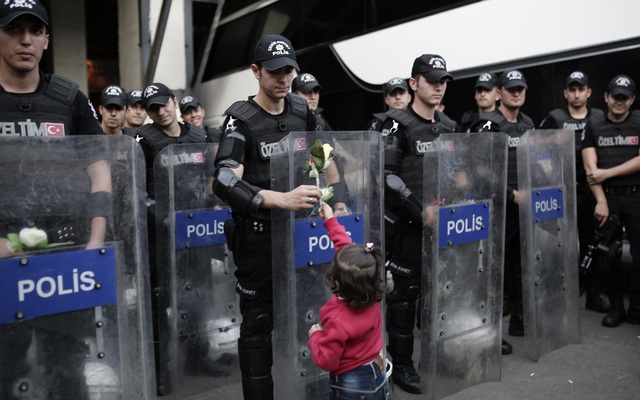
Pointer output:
74, 315
304, 250
463, 250
549, 241
197, 307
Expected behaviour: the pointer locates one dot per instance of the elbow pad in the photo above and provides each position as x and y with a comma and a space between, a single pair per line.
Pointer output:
409, 204
240, 195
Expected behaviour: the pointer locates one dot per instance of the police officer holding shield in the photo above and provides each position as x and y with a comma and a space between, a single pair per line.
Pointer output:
574, 117
251, 129
610, 151
508, 118
408, 135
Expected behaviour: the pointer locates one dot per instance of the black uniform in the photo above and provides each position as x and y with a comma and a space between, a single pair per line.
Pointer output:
407, 137
59, 204
494, 121
616, 143
587, 224
469, 120
249, 236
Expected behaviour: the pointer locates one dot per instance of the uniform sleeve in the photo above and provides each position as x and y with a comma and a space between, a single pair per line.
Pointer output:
85, 119
587, 136
228, 151
337, 233
327, 345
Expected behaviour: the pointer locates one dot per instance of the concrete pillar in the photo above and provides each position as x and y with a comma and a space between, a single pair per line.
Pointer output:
129, 46
68, 38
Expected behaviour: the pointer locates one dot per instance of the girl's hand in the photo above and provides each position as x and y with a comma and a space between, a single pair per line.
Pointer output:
325, 211
314, 328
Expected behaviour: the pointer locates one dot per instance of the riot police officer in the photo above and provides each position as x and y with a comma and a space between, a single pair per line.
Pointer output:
574, 117
193, 113
161, 106
396, 95
307, 86
486, 96
508, 118
610, 152
136, 114
408, 135
36, 103
251, 129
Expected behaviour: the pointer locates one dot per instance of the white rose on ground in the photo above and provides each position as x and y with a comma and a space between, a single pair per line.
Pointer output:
33, 237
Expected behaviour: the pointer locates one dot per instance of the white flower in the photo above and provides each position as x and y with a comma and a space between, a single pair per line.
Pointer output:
32, 237
327, 149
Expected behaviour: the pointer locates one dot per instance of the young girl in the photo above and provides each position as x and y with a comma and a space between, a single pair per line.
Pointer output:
348, 342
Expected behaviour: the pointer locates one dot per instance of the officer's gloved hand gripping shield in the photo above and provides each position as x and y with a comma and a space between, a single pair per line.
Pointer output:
197, 307
549, 241
302, 250
74, 314
461, 310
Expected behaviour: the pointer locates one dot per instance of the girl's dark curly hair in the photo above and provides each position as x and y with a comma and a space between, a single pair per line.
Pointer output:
355, 275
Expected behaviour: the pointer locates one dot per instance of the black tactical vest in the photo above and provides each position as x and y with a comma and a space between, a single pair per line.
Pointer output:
515, 130
159, 140
264, 131
419, 136
45, 113
617, 143
564, 120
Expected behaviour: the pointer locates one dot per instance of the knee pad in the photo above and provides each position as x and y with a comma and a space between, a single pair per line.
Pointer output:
255, 355
400, 346
401, 316
257, 321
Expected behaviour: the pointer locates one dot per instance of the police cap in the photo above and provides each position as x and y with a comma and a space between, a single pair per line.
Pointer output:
622, 84
134, 97
578, 77
487, 80
305, 83
432, 67
11, 9
513, 78
393, 84
156, 93
113, 95
188, 101
275, 51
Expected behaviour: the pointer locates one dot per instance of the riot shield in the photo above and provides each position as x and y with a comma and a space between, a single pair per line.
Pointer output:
304, 250
74, 320
549, 241
463, 250
197, 307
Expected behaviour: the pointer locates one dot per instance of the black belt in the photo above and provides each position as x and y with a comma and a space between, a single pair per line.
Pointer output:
621, 189
252, 224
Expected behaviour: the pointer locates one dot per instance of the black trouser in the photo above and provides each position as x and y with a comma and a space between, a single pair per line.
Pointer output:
252, 257
406, 267
627, 207
587, 226
512, 260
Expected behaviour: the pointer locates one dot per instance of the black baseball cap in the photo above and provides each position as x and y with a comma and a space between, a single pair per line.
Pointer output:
134, 97
577, 76
275, 51
513, 78
113, 95
487, 80
156, 93
393, 84
305, 83
11, 9
622, 84
188, 101
432, 67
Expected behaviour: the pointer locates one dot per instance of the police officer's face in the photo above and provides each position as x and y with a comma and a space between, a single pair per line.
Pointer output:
486, 98
577, 95
513, 97
312, 97
398, 99
275, 84
618, 106
112, 116
22, 43
163, 115
136, 114
194, 116
426, 92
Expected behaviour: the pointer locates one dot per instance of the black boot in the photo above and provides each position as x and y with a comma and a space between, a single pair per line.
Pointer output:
506, 347
614, 317
406, 377
596, 302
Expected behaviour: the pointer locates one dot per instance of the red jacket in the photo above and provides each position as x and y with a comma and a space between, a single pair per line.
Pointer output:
350, 337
